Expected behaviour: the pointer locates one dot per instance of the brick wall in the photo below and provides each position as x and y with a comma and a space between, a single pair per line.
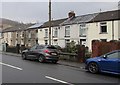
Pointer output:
99, 48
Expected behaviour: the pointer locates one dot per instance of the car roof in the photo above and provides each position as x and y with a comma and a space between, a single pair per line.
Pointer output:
115, 51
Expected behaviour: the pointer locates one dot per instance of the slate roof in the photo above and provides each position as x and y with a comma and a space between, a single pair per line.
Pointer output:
79, 19
107, 16
53, 23
16, 28
95, 17
37, 25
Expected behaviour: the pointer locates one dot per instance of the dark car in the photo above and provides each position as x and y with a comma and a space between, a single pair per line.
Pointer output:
108, 63
42, 53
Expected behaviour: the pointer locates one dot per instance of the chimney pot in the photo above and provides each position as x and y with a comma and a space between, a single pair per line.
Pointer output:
71, 14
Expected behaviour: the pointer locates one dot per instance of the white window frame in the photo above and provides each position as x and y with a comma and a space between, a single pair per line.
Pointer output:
103, 24
46, 32
83, 30
55, 32
67, 31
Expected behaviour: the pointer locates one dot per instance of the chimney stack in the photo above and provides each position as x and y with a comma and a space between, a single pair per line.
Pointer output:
71, 14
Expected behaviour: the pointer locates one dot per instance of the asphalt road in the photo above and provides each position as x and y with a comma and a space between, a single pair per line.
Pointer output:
16, 70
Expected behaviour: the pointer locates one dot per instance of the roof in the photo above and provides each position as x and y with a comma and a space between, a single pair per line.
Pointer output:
107, 16
35, 26
53, 23
79, 19
19, 27
95, 17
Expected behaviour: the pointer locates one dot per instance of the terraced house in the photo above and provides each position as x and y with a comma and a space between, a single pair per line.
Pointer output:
15, 35
104, 26
83, 29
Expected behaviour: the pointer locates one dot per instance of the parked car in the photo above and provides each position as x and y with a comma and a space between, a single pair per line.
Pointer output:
42, 53
109, 63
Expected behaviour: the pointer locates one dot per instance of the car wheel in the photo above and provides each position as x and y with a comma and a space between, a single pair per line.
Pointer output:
41, 59
24, 56
54, 62
93, 67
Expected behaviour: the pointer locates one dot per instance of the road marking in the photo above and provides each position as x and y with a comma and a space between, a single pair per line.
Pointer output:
58, 80
10, 66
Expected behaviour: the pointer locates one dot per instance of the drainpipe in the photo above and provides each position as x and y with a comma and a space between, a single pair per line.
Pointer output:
112, 29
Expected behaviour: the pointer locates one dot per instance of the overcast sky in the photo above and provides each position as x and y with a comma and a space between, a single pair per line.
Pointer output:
37, 11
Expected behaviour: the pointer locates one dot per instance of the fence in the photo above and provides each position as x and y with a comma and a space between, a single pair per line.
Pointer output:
15, 49
99, 47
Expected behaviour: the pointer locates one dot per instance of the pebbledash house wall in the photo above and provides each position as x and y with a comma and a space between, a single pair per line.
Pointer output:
74, 34
41, 35
93, 32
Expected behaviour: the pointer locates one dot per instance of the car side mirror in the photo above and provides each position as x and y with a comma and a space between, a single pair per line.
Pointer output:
104, 56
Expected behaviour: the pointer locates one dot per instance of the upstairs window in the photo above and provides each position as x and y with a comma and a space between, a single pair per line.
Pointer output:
55, 32
103, 27
22, 34
67, 31
46, 32
83, 30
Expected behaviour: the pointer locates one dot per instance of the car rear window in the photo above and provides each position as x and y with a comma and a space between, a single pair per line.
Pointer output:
51, 47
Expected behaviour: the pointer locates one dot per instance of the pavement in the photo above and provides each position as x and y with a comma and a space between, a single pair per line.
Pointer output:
61, 62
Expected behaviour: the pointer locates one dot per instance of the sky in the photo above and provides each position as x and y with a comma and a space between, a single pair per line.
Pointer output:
32, 11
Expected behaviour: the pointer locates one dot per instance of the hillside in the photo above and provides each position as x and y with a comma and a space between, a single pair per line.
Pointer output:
6, 23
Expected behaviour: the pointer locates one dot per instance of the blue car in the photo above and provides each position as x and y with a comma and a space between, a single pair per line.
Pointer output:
108, 63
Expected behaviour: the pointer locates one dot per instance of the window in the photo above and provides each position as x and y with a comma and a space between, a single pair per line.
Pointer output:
67, 31
103, 40
29, 34
36, 41
103, 27
55, 42
46, 32
46, 42
82, 41
40, 47
114, 55
83, 30
67, 41
51, 47
36, 31
55, 32
17, 35
22, 34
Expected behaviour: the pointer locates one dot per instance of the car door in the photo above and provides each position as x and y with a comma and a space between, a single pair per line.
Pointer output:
119, 62
110, 63
31, 52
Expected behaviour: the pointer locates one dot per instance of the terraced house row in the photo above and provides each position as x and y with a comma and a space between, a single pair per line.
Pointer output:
104, 26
